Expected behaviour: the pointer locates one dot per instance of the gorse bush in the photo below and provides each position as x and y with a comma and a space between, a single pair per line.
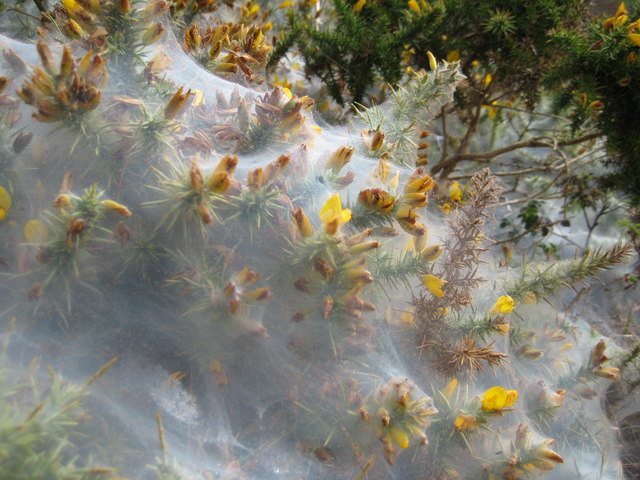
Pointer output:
597, 78
285, 300
509, 39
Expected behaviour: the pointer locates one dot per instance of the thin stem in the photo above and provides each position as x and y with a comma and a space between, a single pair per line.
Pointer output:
526, 232
445, 136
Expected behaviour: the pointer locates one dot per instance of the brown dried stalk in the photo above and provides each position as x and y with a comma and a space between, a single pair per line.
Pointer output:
440, 343
463, 247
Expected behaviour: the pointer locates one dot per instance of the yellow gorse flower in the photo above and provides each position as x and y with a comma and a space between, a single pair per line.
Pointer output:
35, 231
503, 305
453, 56
455, 193
332, 215
497, 398
5, 203
620, 18
434, 284
465, 423
358, 6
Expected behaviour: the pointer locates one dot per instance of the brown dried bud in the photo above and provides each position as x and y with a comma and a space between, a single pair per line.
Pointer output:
323, 268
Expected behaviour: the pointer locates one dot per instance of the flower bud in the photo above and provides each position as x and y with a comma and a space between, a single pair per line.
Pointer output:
433, 64
363, 247
465, 423
323, 268
610, 373
340, 158
195, 175
275, 168
431, 253
205, 214
176, 104
153, 33
257, 295
327, 307
62, 201
218, 182
420, 185
45, 56
215, 50
302, 222
66, 63
192, 38
358, 237
118, 208
377, 141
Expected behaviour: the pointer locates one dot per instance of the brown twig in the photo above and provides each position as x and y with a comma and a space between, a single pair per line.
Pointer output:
536, 142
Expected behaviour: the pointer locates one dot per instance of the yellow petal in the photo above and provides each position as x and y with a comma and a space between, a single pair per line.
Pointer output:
400, 437
35, 231
345, 216
530, 298
453, 56
455, 193
433, 64
359, 5
622, 10
635, 38
393, 183
71, 5
512, 396
383, 170
5, 199
433, 284
3, 214
198, 98
332, 205
413, 5
407, 318
450, 388
494, 399
503, 305
117, 207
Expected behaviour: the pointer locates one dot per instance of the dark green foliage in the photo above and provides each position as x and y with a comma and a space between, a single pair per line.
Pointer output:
509, 38
360, 48
598, 81
530, 214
